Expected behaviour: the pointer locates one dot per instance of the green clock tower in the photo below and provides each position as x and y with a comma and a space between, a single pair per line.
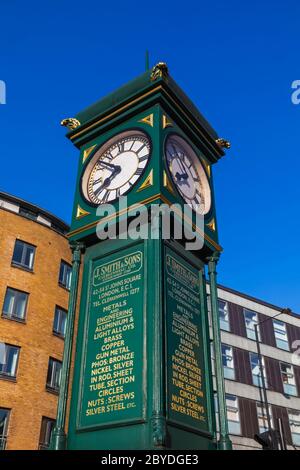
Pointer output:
142, 376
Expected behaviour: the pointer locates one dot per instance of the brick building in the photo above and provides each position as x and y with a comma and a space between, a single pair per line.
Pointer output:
34, 281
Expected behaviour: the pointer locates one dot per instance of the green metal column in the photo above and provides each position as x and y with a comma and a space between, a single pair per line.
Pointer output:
207, 355
224, 442
158, 418
58, 437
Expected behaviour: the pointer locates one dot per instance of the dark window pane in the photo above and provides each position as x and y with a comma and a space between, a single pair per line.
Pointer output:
65, 273
45, 434
8, 359
18, 251
4, 418
15, 304
28, 213
53, 375
23, 254
60, 321
4, 415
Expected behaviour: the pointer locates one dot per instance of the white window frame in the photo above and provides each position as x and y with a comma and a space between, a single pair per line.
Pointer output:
281, 337
289, 386
229, 371
234, 426
223, 310
296, 423
250, 331
262, 417
256, 378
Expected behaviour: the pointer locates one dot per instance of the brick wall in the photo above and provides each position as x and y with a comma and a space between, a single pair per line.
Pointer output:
27, 396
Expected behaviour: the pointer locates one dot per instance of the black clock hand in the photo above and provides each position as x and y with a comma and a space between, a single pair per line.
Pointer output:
181, 176
110, 166
107, 180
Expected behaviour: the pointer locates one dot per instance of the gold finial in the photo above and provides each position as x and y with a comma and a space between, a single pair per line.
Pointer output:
70, 123
223, 143
159, 70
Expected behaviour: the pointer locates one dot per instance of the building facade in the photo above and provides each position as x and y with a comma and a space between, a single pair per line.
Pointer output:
279, 339
35, 274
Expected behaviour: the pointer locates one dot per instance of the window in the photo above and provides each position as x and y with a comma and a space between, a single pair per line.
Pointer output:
281, 335
251, 319
60, 321
4, 418
65, 274
9, 356
227, 360
255, 369
288, 379
45, 434
233, 415
27, 213
223, 315
23, 255
15, 303
294, 420
53, 375
262, 417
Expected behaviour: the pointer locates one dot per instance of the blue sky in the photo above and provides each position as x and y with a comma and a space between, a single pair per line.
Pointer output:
236, 60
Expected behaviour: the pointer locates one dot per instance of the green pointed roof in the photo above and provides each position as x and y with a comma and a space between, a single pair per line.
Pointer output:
135, 88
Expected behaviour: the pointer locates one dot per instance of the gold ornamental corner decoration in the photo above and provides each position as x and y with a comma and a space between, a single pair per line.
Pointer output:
81, 212
223, 143
70, 123
87, 152
159, 70
148, 120
147, 183
167, 184
212, 225
166, 122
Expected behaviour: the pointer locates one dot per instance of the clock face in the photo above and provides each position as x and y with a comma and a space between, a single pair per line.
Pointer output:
116, 167
188, 174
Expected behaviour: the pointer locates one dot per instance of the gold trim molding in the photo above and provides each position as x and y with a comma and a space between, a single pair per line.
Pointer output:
212, 225
166, 122
207, 166
147, 183
87, 152
81, 212
167, 183
148, 120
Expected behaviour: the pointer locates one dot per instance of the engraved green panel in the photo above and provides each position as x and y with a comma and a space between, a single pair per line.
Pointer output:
186, 397
112, 368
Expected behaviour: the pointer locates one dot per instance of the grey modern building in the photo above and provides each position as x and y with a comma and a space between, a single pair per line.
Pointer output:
279, 338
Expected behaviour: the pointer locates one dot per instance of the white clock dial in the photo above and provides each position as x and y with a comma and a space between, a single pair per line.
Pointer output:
116, 167
188, 174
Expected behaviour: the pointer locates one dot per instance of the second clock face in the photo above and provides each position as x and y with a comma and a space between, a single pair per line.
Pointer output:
116, 167
188, 174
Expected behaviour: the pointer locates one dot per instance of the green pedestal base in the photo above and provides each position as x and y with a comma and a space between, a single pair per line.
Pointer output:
225, 444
